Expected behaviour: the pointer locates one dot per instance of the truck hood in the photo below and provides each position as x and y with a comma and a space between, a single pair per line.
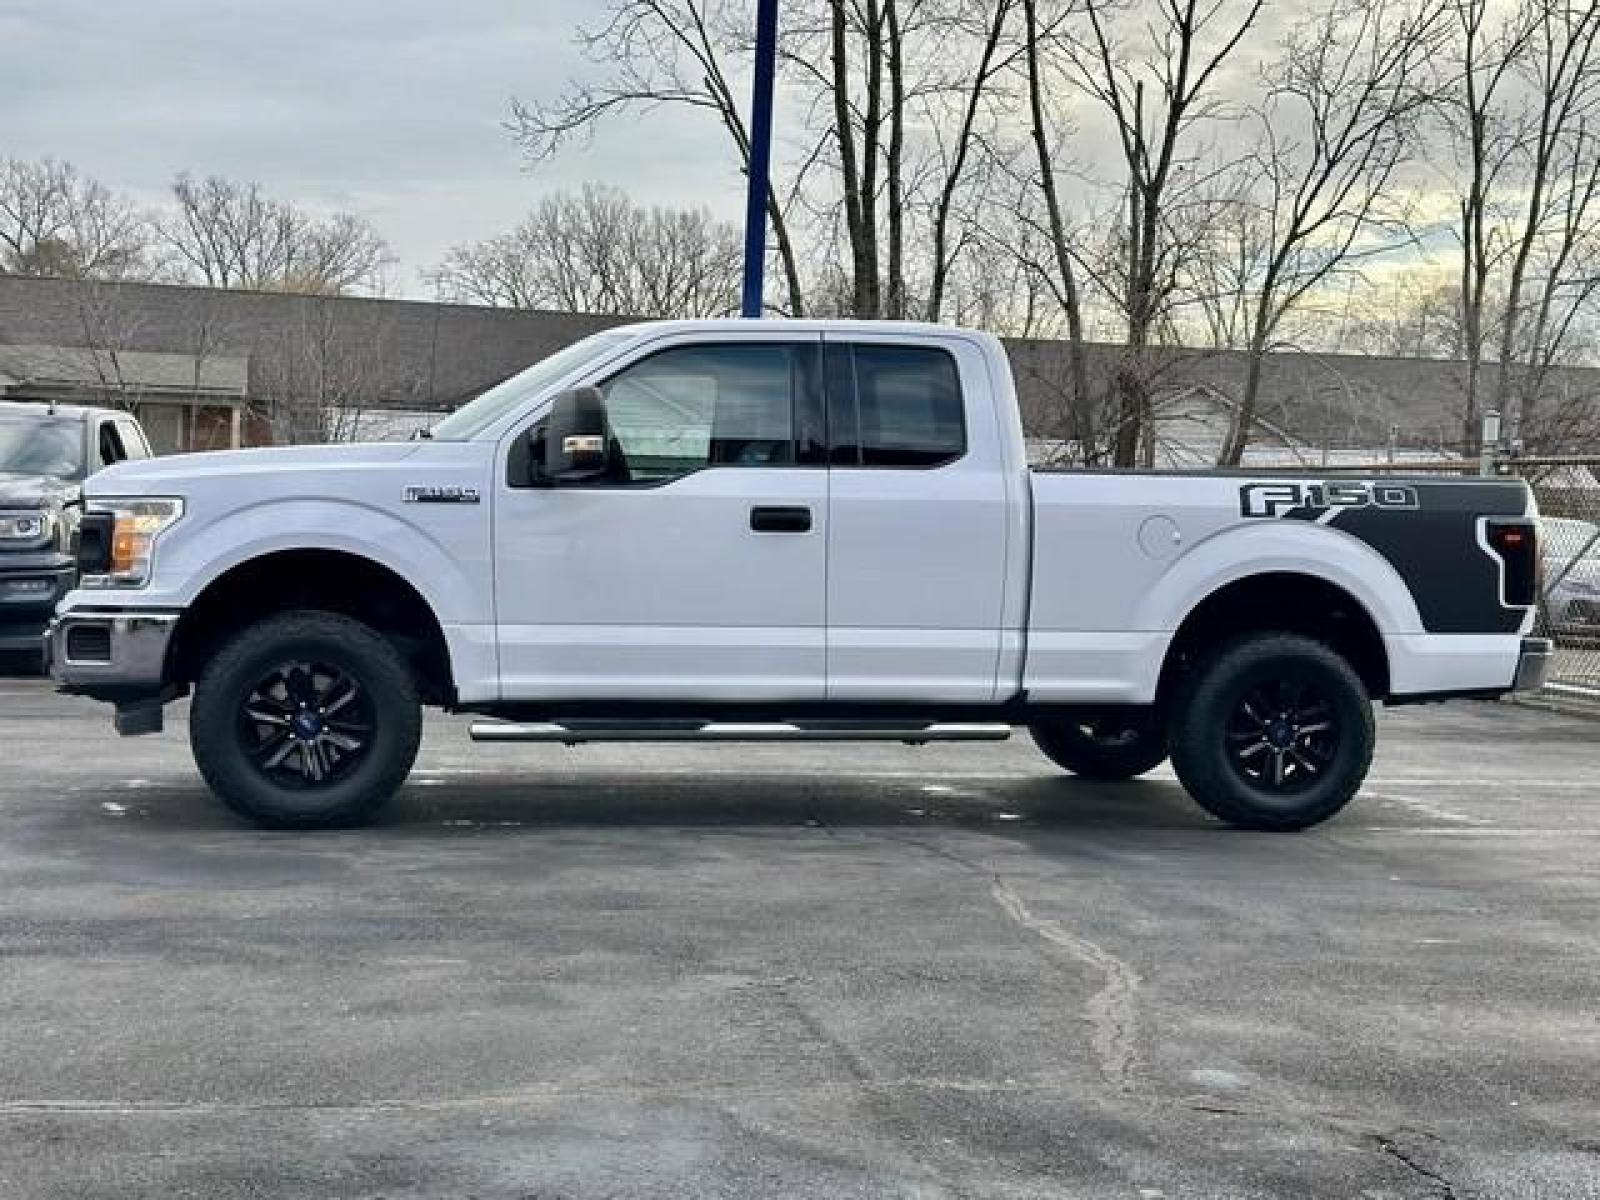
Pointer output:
173, 473
36, 491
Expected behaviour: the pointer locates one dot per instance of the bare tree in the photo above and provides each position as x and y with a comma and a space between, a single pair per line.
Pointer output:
54, 221
1061, 271
898, 104
596, 251
906, 98
227, 234
1563, 158
1154, 74
992, 58
1487, 48
662, 52
1520, 101
1348, 80
322, 368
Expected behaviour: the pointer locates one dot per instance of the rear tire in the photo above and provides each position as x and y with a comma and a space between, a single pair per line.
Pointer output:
1108, 745
1272, 732
306, 720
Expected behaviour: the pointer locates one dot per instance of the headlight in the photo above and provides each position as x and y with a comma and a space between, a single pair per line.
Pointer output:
135, 526
25, 528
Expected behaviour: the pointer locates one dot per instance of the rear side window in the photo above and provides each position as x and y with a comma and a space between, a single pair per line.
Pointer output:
907, 412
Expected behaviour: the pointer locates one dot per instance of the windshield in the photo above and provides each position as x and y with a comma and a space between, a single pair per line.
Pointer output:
32, 447
477, 415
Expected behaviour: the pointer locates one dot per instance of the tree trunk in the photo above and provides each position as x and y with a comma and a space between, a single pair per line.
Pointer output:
895, 306
1082, 415
850, 176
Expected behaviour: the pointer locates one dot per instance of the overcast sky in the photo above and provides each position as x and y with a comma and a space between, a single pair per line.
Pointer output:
390, 108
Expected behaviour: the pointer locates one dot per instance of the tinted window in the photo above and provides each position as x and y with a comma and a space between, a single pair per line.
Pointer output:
909, 411
703, 406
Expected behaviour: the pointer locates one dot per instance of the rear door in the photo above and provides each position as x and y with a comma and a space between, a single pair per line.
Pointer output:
917, 521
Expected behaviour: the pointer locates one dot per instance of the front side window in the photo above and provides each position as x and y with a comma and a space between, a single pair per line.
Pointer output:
692, 407
908, 409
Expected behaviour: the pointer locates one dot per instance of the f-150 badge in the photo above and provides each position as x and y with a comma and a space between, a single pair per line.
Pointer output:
433, 494
1313, 499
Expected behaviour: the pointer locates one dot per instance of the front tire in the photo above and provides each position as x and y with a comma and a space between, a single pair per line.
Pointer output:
306, 720
1108, 745
1272, 732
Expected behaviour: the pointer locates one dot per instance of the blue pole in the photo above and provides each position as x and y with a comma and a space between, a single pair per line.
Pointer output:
755, 210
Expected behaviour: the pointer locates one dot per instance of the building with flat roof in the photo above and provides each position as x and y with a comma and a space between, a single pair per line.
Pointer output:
206, 368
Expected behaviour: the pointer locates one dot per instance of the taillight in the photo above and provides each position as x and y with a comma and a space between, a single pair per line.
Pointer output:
1517, 544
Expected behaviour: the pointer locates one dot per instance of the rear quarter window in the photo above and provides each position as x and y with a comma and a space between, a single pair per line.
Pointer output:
909, 407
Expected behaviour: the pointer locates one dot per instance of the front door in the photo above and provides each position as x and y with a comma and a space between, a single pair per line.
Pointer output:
696, 570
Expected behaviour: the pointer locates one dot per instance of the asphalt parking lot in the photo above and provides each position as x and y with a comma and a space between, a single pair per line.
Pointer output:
799, 972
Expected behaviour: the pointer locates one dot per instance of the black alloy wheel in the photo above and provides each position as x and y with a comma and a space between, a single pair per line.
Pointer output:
306, 724
1283, 735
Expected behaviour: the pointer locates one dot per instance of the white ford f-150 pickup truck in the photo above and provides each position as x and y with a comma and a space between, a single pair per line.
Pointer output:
748, 530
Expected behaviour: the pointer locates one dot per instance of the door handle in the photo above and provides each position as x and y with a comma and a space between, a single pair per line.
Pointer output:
780, 518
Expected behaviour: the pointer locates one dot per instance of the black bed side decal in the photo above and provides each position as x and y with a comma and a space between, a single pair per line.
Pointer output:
1427, 530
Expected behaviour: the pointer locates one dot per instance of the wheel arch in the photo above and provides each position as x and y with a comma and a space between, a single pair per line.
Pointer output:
325, 579
1281, 601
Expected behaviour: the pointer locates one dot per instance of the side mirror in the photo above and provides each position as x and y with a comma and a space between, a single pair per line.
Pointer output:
571, 446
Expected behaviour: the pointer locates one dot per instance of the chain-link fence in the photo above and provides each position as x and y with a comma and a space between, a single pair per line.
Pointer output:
1569, 509
1568, 491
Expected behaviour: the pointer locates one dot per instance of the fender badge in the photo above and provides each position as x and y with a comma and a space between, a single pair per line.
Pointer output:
418, 494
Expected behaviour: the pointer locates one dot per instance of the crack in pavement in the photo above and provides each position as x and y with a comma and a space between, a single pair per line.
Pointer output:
1390, 1145
1112, 1010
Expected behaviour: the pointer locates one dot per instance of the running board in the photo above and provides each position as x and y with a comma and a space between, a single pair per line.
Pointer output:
576, 733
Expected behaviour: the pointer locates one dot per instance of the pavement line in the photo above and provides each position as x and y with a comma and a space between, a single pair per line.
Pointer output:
1111, 1010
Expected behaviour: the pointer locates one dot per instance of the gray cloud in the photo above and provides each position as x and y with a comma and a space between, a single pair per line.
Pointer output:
389, 107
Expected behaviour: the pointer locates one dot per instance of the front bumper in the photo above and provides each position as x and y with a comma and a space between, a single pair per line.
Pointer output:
1533, 664
110, 654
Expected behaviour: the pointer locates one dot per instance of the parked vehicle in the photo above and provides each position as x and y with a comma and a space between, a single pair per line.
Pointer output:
1571, 576
783, 530
45, 453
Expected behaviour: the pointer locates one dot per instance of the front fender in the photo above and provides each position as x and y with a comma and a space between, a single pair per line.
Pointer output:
452, 578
